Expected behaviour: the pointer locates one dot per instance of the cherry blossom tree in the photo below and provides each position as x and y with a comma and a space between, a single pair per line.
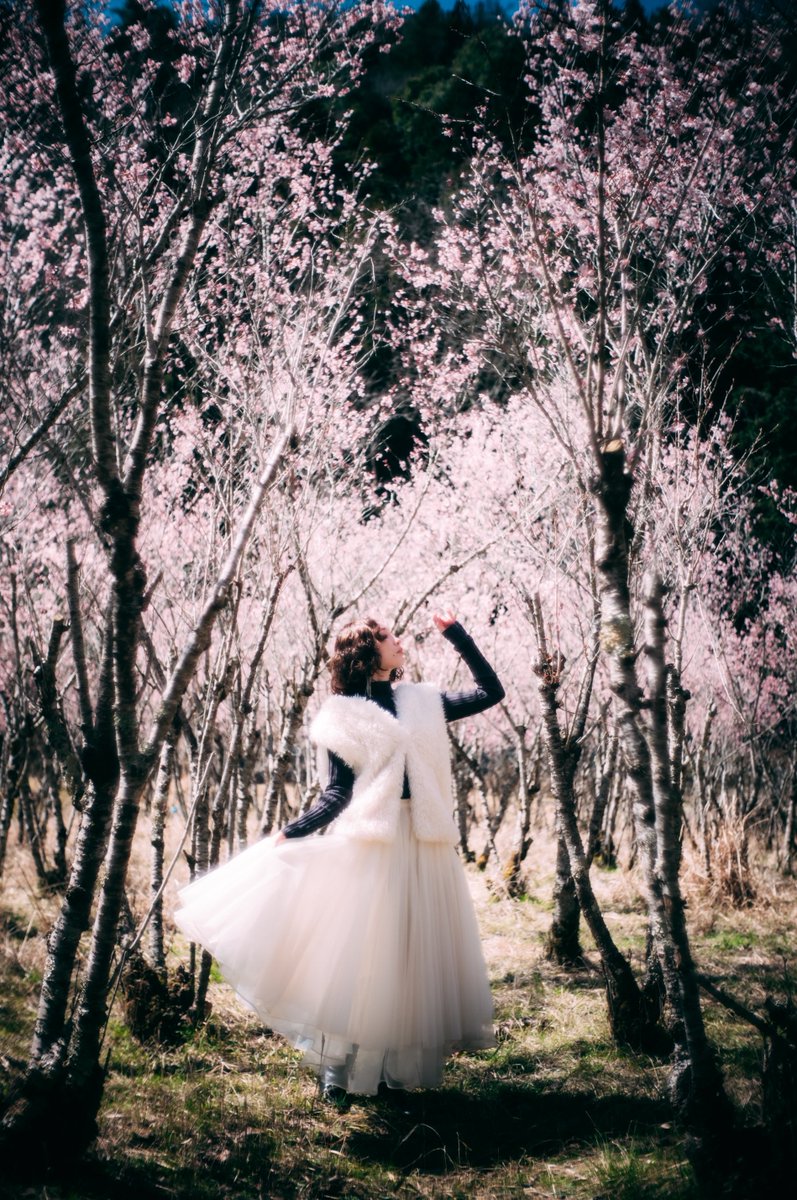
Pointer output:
158, 186
575, 275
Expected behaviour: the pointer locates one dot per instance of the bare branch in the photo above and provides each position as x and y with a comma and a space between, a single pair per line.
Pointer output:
57, 730
78, 645
52, 14
200, 637
56, 410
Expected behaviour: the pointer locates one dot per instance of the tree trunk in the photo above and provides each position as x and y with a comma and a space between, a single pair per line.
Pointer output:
6, 813
55, 1109
20, 738
702, 788
209, 857
74, 916
787, 853
34, 1117
703, 1085
48, 1095
284, 758
60, 869
492, 821
527, 789
695, 1085
462, 807
157, 957
33, 832
232, 815
84, 1074
562, 944
16, 758
599, 823
244, 785
200, 845
628, 1017
200, 841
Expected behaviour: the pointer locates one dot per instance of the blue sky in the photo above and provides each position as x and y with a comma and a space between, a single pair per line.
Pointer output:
648, 5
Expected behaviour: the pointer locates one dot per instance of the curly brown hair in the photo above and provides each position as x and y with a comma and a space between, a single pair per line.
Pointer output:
356, 657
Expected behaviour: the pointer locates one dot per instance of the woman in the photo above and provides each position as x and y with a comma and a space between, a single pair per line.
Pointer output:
361, 947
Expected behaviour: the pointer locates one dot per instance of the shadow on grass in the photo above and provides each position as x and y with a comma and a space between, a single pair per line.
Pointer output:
770, 974
244, 1170
435, 1131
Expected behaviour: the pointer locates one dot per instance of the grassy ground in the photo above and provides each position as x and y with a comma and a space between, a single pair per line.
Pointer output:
553, 1111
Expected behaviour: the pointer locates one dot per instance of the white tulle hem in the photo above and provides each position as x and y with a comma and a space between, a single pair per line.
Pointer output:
366, 956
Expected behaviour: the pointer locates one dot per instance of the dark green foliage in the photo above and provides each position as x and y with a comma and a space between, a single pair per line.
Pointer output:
415, 109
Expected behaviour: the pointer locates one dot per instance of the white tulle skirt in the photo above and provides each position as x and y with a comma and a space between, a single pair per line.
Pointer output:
366, 956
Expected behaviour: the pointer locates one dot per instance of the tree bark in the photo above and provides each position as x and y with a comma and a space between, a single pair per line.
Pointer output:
244, 785
603, 793
78, 645
562, 943
6, 813
157, 957
51, 15
52, 783
101, 766
703, 1085
19, 742
42, 429
695, 1085
33, 832
284, 757
527, 789
787, 852
462, 808
628, 1017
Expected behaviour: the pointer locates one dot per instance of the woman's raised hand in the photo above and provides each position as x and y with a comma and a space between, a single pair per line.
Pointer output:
443, 619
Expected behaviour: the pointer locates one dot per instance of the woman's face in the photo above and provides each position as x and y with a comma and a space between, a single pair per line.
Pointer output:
391, 652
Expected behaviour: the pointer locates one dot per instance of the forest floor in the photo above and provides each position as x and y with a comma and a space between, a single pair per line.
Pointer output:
555, 1110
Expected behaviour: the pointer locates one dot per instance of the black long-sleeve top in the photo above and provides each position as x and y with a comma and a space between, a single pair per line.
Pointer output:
456, 705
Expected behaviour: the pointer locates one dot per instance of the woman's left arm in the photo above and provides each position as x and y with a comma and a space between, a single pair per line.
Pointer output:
488, 690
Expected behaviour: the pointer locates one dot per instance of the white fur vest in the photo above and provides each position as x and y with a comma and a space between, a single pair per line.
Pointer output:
378, 746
